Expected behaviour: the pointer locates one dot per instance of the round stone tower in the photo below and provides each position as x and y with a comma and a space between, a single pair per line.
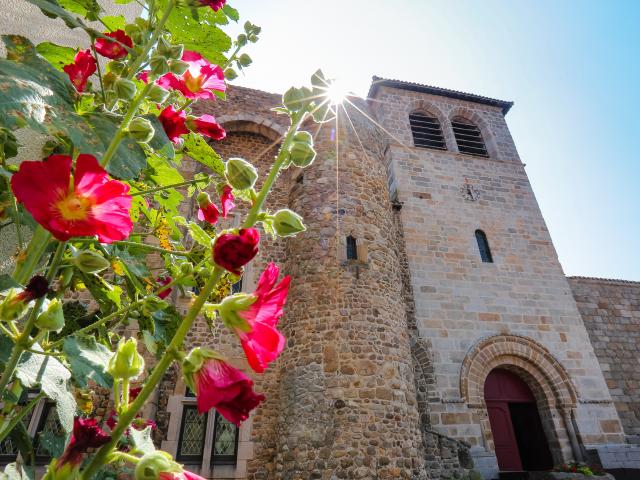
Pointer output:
347, 396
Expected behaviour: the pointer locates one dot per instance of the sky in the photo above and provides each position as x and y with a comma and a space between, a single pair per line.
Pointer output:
571, 67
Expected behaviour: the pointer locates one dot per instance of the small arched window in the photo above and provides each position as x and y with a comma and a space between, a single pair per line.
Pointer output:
426, 131
352, 249
468, 137
483, 247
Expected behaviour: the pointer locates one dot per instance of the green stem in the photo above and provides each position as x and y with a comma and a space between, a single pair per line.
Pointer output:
121, 132
125, 394
231, 58
15, 420
188, 102
95, 55
166, 187
38, 244
125, 456
124, 420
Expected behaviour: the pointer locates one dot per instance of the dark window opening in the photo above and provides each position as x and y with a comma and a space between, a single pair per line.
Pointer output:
192, 431
225, 442
352, 250
426, 131
468, 137
48, 429
483, 246
237, 287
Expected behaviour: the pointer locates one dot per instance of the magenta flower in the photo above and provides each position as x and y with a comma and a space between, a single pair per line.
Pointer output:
232, 251
208, 212
86, 434
164, 293
199, 81
227, 200
114, 49
206, 125
173, 123
214, 4
83, 66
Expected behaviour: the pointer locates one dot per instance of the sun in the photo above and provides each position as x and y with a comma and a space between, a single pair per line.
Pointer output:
336, 92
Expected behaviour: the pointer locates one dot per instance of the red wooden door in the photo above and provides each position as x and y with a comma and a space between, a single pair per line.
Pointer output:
500, 388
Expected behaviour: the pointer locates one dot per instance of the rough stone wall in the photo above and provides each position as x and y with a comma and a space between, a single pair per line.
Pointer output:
460, 300
611, 313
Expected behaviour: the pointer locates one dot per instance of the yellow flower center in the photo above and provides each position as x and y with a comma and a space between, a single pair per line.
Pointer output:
193, 83
74, 207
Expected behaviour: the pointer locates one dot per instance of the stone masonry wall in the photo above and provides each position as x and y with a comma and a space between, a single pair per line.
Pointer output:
611, 313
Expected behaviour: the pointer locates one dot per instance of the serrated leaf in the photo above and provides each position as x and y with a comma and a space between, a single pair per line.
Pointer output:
88, 360
164, 173
142, 440
114, 22
199, 235
89, 9
45, 371
231, 12
198, 149
56, 55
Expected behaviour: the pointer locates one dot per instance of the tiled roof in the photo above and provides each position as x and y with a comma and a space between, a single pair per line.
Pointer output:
605, 280
443, 92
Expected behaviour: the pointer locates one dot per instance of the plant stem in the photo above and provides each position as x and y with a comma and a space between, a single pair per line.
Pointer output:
166, 187
15, 420
38, 244
125, 456
163, 364
120, 133
153, 248
95, 55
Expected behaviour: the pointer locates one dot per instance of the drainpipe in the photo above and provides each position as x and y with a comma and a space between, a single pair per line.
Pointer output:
567, 415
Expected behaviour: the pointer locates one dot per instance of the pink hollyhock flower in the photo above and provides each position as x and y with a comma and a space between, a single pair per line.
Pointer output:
232, 251
226, 199
86, 434
214, 4
208, 212
256, 328
219, 385
165, 292
83, 66
206, 125
111, 49
134, 392
173, 123
95, 205
199, 81
184, 475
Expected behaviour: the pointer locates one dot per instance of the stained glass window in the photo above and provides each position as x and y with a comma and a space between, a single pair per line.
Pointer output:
225, 442
192, 431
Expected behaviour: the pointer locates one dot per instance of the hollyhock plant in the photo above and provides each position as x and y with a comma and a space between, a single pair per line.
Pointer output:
86, 434
16, 301
164, 293
255, 318
219, 385
114, 49
200, 80
83, 66
173, 122
226, 199
95, 205
232, 251
208, 212
206, 125
214, 4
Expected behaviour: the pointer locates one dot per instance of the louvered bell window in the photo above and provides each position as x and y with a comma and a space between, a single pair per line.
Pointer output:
426, 131
468, 137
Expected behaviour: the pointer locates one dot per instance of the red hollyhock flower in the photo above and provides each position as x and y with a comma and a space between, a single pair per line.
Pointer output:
184, 475
263, 342
163, 293
234, 250
226, 199
111, 49
214, 4
219, 385
199, 81
86, 434
83, 66
95, 205
173, 123
208, 212
206, 125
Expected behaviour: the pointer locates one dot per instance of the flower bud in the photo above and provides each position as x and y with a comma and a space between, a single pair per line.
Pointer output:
125, 89
230, 307
151, 465
157, 94
89, 261
178, 67
141, 129
242, 40
117, 67
186, 268
134, 33
287, 223
13, 305
163, 47
230, 74
126, 363
304, 137
244, 60
159, 65
176, 51
301, 154
296, 98
52, 317
240, 174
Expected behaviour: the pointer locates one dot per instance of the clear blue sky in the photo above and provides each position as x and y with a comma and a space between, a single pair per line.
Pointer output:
571, 67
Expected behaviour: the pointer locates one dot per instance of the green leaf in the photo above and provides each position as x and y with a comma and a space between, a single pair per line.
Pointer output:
52, 9
114, 22
102, 291
52, 443
6, 282
199, 32
142, 440
160, 142
199, 235
56, 55
198, 149
231, 12
89, 9
88, 360
53, 378
163, 173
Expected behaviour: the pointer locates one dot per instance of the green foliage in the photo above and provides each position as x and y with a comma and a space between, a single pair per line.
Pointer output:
199, 235
198, 149
142, 440
88, 360
56, 55
89, 9
17, 471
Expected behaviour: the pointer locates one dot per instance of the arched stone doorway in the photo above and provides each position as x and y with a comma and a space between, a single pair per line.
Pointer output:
518, 436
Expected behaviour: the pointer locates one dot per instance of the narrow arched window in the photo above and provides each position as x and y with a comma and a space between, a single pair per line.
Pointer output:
426, 131
483, 247
352, 249
468, 137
